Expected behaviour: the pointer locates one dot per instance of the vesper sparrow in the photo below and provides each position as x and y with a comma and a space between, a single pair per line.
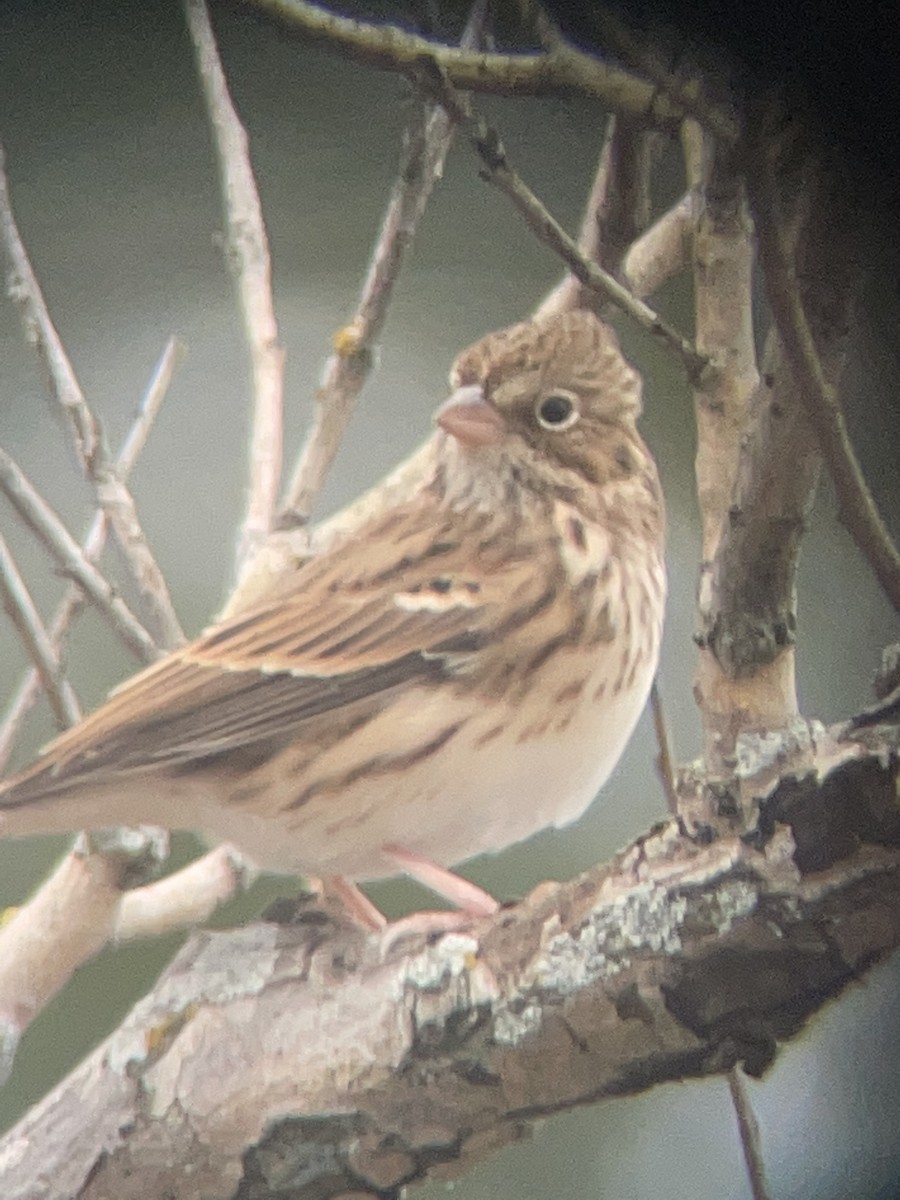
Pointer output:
459, 667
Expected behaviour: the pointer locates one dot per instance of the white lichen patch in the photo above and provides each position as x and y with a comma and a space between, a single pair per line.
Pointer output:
510, 1027
731, 902
645, 917
452, 956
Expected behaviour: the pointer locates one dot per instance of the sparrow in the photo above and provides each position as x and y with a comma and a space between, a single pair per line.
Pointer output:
459, 666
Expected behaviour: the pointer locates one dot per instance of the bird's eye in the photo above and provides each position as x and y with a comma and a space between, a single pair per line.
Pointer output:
557, 410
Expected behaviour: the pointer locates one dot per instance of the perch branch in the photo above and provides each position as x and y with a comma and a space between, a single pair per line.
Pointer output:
247, 255
72, 602
361, 1064
112, 495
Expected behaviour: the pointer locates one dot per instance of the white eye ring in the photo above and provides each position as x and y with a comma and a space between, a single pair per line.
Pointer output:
557, 410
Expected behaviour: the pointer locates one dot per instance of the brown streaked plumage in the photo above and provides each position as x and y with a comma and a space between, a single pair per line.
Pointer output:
460, 665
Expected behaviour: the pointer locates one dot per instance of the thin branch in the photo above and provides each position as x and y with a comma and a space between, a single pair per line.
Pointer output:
497, 170
247, 254
748, 1129
662, 250
665, 764
44, 522
856, 504
187, 897
112, 495
68, 921
561, 70
345, 372
73, 601
568, 292
17, 601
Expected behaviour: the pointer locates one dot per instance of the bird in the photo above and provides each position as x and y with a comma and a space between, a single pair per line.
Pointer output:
459, 666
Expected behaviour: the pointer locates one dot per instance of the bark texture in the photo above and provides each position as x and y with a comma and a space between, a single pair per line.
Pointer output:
305, 1059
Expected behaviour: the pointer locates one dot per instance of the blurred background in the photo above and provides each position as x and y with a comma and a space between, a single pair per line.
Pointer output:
114, 186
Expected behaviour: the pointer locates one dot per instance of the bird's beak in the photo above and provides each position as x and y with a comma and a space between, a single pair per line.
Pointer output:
469, 418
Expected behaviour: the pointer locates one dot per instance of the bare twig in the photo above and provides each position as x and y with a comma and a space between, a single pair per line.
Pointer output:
497, 170
112, 495
561, 70
73, 601
17, 601
749, 1134
617, 211
247, 254
856, 504
38, 515
664, 761
347, 368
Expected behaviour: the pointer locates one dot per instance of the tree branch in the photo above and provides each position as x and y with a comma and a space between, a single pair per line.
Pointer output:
815, 389
21, 610
44, 522
676, 960
247, 256
72, 602
424, 153
561, 70
112, 495
497, 170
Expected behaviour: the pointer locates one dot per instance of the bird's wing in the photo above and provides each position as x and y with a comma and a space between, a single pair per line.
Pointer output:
405, 601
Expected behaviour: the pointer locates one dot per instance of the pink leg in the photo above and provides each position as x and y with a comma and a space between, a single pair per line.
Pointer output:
473, 900
357, 904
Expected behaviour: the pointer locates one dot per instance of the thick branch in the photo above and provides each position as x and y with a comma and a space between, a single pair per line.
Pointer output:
751, 619
811, 289
272, 1055
561, 70
723, 260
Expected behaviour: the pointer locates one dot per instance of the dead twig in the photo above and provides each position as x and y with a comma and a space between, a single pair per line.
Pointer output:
247, 255
17, 601
43, 521
348, 367
497, 170
748, 1129
112, 495
73, 601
